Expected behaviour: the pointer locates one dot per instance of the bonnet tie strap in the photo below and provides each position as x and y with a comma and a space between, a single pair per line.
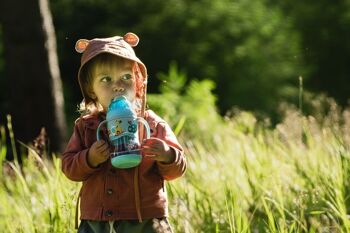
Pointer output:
137, 194
77, 209
143, 90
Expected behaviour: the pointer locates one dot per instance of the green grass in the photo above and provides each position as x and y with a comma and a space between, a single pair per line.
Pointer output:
245, 177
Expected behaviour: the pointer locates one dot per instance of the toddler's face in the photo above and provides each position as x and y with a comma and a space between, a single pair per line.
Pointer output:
112, 81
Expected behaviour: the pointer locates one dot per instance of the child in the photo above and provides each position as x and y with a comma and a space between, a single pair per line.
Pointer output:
119, 200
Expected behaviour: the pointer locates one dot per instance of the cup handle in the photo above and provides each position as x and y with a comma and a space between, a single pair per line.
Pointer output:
145, 123
98, 130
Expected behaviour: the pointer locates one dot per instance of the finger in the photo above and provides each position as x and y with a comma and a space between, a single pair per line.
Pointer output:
100, 144
151, 141
105, 151
103, 157
103, 144
102, 153
152, 145
104, 147
147, 148
151, 156
106, 155
151, 152
99, 149
154, 157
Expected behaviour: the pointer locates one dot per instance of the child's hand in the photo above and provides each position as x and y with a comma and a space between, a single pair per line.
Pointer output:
157, 149
98, 153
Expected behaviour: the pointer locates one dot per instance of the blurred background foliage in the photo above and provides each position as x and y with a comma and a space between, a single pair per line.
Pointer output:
251, 53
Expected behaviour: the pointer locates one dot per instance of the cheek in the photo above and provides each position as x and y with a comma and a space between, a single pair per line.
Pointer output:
104, 88
129, 86
131, 91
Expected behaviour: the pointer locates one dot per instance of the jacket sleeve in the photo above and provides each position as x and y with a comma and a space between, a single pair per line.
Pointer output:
178, 167
74, 158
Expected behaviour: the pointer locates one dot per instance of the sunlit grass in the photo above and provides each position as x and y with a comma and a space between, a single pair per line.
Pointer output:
36, 197
246, 178
294, 178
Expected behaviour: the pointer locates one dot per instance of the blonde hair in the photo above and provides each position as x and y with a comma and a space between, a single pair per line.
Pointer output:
89, 105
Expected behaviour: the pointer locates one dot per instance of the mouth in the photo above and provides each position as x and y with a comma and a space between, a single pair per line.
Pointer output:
126, 94
120, 94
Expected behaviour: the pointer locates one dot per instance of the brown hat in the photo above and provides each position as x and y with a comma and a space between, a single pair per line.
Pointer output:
119, 46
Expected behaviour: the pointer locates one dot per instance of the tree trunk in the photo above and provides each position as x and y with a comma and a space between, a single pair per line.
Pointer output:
31, 67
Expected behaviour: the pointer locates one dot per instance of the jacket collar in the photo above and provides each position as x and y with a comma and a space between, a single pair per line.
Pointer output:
92, 121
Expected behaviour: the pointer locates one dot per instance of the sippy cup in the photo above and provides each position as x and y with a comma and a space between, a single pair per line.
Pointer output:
122, 124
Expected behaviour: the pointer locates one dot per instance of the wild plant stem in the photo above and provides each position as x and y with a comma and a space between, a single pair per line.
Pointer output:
301, 95
12, 138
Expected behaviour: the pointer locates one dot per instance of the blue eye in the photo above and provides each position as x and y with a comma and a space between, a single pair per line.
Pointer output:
126, 77
106, 79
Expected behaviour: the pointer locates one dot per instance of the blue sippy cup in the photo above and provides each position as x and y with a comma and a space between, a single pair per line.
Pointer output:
122, 124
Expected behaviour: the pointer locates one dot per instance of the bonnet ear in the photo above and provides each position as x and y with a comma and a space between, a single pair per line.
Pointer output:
81, 45
131, 38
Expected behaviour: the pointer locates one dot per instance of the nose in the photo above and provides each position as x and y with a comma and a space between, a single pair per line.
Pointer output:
118, 89
117, 86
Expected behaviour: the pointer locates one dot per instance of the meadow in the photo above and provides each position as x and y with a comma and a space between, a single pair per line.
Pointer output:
246, 177
244, 174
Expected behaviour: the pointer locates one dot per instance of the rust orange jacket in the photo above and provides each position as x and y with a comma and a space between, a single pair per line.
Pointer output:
108, 193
